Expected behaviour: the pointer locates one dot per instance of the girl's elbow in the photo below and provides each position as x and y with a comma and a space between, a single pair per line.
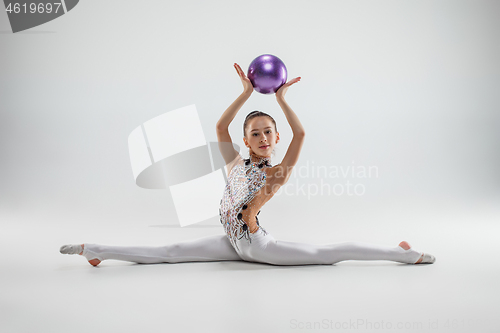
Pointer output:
220, 127
300, 134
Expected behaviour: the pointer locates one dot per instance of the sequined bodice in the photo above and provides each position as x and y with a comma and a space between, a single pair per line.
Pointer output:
245, 180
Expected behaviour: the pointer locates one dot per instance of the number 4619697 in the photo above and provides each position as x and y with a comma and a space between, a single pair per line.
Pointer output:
33, 7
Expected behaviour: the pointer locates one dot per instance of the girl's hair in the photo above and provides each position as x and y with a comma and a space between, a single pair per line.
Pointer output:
252, 115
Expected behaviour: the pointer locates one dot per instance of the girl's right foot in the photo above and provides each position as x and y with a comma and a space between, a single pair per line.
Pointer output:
424, 257
71, 249
78, 249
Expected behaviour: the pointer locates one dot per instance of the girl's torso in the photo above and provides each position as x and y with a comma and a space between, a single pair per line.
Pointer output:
251, 183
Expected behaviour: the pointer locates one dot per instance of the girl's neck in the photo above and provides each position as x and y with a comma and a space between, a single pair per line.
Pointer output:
258, 158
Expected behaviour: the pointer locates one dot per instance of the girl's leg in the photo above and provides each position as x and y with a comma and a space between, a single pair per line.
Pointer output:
211, 248
264, 248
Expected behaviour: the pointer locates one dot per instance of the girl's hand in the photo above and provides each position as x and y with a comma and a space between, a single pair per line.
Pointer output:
282, 90
247, 84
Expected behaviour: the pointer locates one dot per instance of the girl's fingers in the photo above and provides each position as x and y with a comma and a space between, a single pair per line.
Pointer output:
238, 69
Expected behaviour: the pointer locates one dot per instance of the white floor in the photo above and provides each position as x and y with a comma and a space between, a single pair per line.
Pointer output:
44, 291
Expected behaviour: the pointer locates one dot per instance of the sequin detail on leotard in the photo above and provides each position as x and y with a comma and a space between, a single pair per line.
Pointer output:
244, 181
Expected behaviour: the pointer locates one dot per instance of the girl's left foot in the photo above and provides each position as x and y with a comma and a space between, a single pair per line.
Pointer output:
425, 258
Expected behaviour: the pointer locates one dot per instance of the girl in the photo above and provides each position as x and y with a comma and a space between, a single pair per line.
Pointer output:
251, 183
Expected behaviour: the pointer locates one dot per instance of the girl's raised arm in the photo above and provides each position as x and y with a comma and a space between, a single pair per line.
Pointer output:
293, 152
225, 143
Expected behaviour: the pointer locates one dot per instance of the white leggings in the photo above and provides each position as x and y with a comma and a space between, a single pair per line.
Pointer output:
262, 248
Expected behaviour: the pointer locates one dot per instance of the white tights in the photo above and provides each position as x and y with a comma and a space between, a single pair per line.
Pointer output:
262, 248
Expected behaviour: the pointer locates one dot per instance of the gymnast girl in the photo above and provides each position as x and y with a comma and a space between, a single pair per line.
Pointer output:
252, 182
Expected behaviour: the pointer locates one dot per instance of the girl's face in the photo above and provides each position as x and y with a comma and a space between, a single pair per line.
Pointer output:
261, 136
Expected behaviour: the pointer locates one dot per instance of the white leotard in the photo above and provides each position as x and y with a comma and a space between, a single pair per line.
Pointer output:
243, 196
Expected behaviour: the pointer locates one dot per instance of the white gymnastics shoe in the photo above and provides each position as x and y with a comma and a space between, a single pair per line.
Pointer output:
71, 249
424, 258
80, 249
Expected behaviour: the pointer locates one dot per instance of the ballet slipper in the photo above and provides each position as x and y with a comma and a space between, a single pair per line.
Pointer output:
424, 258
81, 250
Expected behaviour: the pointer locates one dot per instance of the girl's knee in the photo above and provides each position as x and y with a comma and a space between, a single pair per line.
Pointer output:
171, 251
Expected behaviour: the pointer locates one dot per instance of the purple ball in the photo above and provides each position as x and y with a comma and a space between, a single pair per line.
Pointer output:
267, 73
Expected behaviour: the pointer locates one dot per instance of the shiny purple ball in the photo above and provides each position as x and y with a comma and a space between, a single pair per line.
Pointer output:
267, 73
